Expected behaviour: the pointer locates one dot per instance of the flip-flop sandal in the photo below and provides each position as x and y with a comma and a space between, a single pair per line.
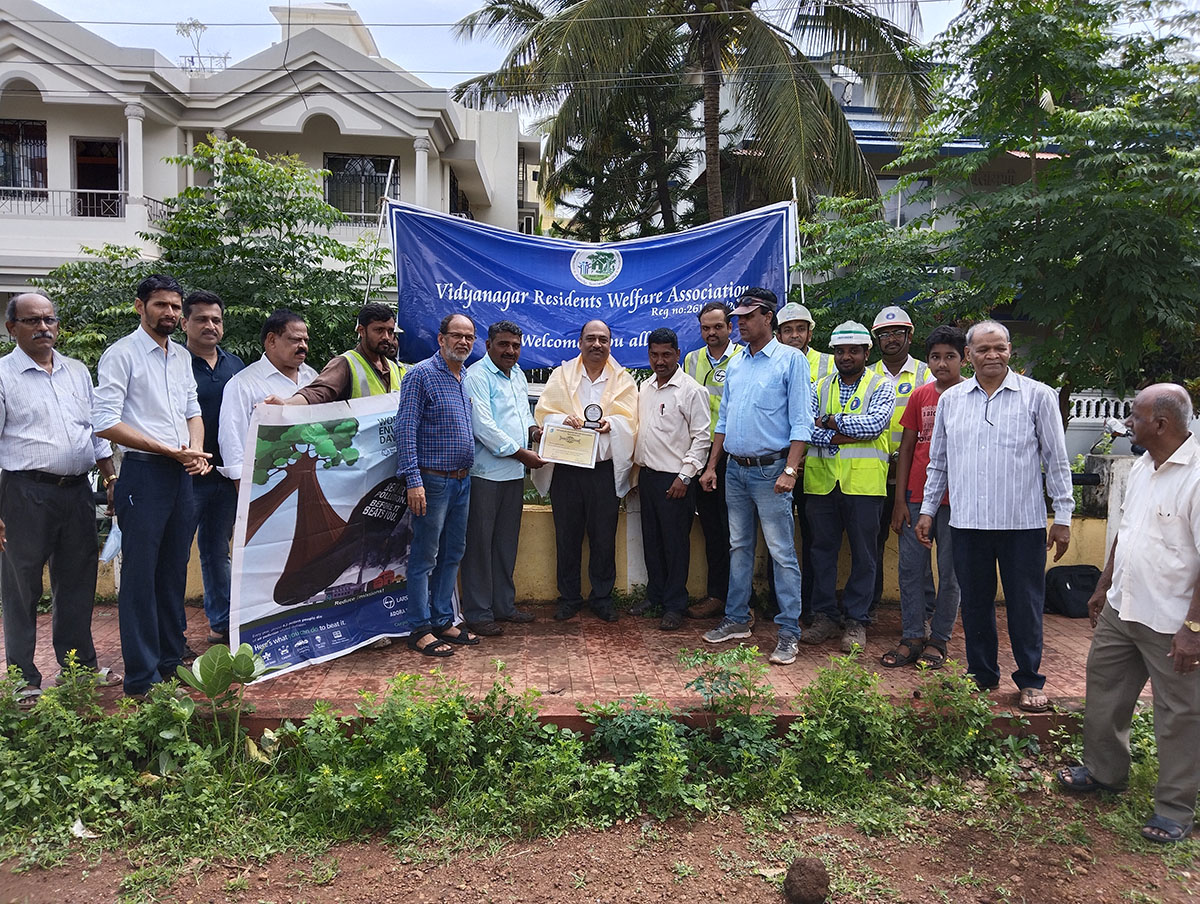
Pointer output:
463, 638
106, 677
934, 655
894, 659
1079, 780
1025, 700
436, 647
27, 698
1161, 830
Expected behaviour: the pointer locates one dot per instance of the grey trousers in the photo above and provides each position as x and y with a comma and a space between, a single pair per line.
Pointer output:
918, 599
493, 531
57, 524
1123, 655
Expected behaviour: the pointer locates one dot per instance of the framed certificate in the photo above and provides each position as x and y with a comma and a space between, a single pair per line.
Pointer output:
569, 446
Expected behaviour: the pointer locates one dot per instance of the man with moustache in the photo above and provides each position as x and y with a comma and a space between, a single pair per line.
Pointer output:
995, 438
146, 403
281, 372
764, 424
505, 433
672, 447
368, 369
708, 366
845, 480
214, 494
586, 500
47, 449
435, 449
894, 330
1146, 616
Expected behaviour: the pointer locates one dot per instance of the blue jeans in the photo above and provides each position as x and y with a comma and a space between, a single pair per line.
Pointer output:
1021, 555
439, 539
750, 491
213, 512
153, 502
918, 601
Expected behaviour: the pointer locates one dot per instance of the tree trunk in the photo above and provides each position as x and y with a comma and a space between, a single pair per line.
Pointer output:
658, 145
318, 526
266, 505
712, 130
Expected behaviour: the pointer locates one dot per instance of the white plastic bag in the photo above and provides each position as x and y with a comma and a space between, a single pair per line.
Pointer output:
112, 545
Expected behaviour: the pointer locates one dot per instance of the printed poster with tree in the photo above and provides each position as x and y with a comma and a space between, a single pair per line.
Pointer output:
321, 542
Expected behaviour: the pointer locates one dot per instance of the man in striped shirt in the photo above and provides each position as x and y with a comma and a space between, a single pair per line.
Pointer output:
435, 449
993, 437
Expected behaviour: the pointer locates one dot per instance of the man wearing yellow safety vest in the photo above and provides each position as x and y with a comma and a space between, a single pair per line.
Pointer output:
368, 369
707, 366
894, 330
845, 480
796, 327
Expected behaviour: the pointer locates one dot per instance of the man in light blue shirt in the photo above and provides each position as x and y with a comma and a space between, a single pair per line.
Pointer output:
504, 427
764, 423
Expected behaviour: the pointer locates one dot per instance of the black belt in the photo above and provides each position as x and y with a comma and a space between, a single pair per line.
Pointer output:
149, 456
71, 480
761, 460
452, 475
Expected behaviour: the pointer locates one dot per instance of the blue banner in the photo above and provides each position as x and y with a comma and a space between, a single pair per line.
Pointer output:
552, 287
321, 541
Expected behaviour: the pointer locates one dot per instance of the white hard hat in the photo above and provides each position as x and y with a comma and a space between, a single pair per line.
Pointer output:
889, 317
850, 333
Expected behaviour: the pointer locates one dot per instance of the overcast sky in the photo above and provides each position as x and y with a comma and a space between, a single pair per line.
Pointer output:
415, 35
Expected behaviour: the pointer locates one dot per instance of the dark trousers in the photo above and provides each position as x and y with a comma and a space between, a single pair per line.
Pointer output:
493, 532
153, 501
1021, 555
213, 513
830, 516
56, 524
885, 530
666, 532
584, 502
714, 522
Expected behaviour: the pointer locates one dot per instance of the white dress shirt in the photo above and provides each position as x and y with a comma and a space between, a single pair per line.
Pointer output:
46, 416
244, 390
144, 388
673, 425
1158, 545
991, 452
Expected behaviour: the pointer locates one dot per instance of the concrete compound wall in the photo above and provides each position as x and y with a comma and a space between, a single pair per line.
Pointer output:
535, 574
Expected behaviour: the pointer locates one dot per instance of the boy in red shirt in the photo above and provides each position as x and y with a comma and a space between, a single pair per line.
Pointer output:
918, 602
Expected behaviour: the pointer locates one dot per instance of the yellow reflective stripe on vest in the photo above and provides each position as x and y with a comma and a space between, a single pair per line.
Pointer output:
860, 468
820, 364
697, 365
364, 379
904, 388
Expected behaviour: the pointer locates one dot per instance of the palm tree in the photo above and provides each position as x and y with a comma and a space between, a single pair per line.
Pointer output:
577, 54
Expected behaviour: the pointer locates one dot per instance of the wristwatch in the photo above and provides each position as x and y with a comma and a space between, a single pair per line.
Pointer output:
110, 480
790, 471
685, 480
1192, 626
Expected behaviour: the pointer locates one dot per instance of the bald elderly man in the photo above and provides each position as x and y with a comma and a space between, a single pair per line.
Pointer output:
47, 451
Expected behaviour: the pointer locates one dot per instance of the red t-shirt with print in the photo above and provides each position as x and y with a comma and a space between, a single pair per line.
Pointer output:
918, 415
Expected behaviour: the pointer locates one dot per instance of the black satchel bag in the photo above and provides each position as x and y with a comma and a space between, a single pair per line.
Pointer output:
1069, 587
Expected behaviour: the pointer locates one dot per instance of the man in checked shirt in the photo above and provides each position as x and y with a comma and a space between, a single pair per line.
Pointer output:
435, 447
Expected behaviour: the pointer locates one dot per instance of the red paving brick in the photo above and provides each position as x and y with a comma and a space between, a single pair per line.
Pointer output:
587, 660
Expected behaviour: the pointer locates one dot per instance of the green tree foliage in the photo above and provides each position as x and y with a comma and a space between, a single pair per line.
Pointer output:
1099, 249
280, 448
579, 54
255, 230
858, 264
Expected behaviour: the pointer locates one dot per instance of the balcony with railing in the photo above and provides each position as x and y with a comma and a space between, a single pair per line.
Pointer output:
78, 202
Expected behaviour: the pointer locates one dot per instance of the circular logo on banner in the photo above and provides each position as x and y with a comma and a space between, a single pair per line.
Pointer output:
596, 268
718, 376
854, 404
904, 389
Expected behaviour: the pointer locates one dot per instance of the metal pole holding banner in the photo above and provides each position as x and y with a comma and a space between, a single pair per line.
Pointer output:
796, 239
383, 209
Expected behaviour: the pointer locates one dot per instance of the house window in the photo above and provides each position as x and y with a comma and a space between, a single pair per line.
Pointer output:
22, 153
460, 204
356, 183
898, 206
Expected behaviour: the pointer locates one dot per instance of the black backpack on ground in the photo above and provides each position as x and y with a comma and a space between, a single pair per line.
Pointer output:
1068, 589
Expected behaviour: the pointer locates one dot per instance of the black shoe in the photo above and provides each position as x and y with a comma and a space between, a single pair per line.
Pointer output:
485, 629
189, 655
641, 608
519, 616
605, 611
218, 637
567, 610
671, 621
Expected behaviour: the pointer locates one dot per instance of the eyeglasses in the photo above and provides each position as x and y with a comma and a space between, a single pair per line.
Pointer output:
35, 321
470, 337
891, 334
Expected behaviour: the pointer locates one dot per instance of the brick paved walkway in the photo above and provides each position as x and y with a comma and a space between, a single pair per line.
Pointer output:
587, 660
